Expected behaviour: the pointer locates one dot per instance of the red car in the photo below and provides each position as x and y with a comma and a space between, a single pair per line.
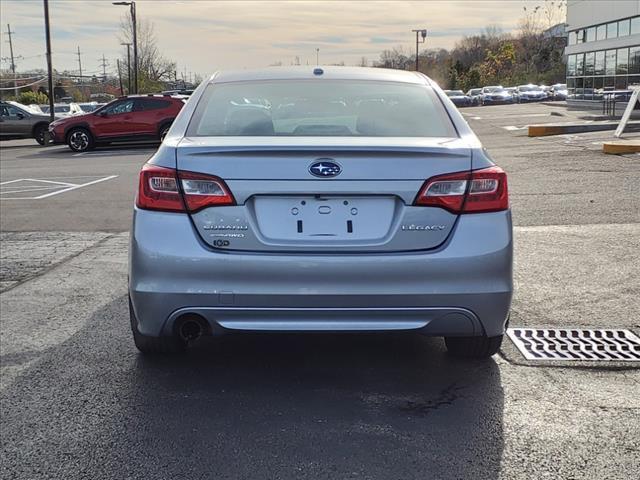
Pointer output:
127, 119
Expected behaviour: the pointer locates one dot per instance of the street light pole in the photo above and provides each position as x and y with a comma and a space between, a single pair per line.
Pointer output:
421, 37
135, 46
132, 6
317, 56
49, 67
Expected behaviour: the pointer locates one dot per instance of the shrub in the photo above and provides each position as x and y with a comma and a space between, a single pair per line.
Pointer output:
29, 97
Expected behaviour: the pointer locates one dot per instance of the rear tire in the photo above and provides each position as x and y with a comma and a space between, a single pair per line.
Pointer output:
163, 131
39, 134
473, 347
154, 345
80, 140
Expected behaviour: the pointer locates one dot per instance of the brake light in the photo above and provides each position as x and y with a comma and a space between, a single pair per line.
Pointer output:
167, 190
479, 191
201, 191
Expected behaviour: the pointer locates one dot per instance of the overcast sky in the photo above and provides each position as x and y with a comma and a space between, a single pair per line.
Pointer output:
203, 36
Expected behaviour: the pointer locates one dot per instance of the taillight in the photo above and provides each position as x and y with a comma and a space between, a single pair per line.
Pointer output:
202, 191
479, 191
159, 190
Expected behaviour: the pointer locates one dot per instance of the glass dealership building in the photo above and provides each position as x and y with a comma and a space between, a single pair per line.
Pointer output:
603, 51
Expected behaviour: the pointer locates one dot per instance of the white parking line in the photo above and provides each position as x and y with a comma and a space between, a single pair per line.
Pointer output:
512, 128
75, 187
49, 181
12, 181
28, 189
59, 187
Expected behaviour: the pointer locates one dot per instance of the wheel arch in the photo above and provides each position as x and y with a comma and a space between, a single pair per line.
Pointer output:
84, 125
37, 125
164, 123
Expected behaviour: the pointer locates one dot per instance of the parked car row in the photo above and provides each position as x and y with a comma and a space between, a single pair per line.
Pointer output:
499, 95
131, 118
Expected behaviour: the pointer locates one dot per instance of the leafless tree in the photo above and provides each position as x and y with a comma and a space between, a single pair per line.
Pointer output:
152, 65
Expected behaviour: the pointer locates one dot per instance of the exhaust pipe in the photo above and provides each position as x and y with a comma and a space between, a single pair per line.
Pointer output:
190, 328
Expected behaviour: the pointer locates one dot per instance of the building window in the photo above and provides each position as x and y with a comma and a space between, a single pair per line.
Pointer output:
634, 59
599, 66
573, 38
588, 88
591, 34
589, 63
612, 30
635, 25
622, 64
571, 65
623, 28
621, 82
601, 32
609, 82
598, 83
634, 80
580, 64
610, 62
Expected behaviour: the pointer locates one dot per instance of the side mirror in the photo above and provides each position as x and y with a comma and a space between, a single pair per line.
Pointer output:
102, 114
20, 115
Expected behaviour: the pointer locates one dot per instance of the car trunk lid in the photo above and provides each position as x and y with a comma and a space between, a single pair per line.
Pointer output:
282, 207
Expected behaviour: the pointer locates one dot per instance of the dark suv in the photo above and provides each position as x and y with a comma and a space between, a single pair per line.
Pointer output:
127, 119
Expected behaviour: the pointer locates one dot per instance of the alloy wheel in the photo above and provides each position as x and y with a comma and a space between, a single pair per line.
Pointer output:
79, 140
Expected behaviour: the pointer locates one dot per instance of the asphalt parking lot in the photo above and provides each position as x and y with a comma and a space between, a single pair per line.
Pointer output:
77, 401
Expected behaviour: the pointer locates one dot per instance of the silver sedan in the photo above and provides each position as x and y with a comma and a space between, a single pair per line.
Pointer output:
321, 199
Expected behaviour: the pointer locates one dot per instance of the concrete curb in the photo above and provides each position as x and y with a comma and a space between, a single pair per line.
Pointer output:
621, 146
560, 129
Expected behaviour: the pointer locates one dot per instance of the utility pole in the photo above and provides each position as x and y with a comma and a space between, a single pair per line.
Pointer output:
419, 33
128, 66
104, 68
79, 64
13, 64
120, 77
49, 67
317, 56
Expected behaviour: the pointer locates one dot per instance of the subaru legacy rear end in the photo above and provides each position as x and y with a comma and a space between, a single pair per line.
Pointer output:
328, 199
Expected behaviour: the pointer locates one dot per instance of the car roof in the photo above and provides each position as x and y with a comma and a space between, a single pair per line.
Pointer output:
328, 72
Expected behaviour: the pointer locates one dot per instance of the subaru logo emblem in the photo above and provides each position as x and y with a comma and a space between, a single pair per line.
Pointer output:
325, 169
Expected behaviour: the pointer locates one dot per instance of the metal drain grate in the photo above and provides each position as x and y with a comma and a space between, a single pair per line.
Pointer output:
576, 344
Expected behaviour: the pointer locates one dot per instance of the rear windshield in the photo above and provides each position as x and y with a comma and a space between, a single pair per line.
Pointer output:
320, 108
62, 109
454, 93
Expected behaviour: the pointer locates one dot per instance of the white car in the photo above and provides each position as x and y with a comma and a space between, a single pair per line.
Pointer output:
530, 93
89, 107
63, 110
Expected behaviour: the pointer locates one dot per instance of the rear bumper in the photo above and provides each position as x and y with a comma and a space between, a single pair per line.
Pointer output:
462, 288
